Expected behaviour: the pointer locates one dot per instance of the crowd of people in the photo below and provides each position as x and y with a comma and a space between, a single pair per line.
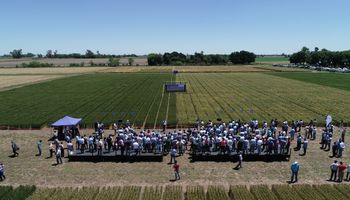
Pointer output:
248, 138
232, 138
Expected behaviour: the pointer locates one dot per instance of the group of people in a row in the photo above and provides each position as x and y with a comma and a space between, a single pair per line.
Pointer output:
249, 138
338, 170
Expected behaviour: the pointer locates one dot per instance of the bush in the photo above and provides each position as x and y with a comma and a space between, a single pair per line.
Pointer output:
36, 64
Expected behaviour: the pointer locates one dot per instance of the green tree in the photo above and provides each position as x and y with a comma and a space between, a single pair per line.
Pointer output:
154, 59
89, 54
16, 53
113, 62
49, 54
130, 61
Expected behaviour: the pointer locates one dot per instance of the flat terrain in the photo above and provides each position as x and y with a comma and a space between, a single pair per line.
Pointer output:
139, 96
29, 169
9, 62
257, 95
11, 81
102, 97
51, 70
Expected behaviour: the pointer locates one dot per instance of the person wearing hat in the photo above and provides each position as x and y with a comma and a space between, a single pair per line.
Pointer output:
295, 169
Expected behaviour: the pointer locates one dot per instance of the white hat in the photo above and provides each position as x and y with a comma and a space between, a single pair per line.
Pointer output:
296, 162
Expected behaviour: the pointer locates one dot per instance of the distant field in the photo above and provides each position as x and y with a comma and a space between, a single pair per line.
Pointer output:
51, 70
336, 80
10, 81
102, 97
257, 95
272, 59
8, 62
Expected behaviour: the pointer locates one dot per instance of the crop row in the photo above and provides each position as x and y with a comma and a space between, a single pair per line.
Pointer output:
256, 192
257, 95
94, 97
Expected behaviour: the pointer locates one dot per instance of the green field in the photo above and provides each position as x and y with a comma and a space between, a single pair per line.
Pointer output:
272, 59
259, 192
336, 80
139, 97
102, 97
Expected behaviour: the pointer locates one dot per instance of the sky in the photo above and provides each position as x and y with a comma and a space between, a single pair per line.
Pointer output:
187, 26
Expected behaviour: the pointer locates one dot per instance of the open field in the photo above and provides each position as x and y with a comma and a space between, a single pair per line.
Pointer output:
10, 81
139, 97
8, 62
336, 80
51, 70
28, 169
272, 60
256, 95
102, 97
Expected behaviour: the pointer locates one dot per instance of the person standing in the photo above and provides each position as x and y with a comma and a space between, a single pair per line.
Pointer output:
295, 169
51, 149
348, 173
305, 144
176, 170
59, 156
39, 145
173, 155
2, 172
15, 148
334, 170
341, 170
240, 159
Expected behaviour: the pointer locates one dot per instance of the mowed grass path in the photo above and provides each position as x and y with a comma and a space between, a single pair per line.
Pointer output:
103, 97
257, 95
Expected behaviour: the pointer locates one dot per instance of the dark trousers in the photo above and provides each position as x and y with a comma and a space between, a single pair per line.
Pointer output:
294, 177
51, 153
59, 159
333, 173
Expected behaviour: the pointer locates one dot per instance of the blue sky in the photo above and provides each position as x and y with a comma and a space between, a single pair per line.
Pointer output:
141, 27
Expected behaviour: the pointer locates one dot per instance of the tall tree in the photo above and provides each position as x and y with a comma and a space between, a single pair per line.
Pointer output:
16, 53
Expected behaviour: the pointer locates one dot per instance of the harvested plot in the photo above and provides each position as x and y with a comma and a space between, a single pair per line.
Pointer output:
257, 95
101, 97
9, 81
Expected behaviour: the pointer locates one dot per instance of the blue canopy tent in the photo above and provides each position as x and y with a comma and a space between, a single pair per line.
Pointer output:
66, 121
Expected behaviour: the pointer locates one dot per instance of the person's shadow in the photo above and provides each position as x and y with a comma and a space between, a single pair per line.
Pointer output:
172, 180
12, 156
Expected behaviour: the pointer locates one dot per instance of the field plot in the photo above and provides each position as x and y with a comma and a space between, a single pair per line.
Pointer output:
51, 70
133, 69
317, 192
336, 80
103, 97
272, 59
9, 62
10, 81
257, 95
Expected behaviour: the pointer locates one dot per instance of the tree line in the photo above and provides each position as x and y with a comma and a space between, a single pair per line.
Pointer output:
176, 58
17, 53
321, 57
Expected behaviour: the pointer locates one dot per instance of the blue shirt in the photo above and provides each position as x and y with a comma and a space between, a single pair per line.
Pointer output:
295, 167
